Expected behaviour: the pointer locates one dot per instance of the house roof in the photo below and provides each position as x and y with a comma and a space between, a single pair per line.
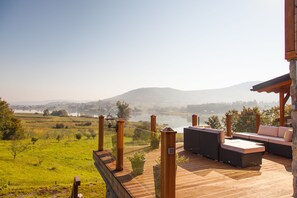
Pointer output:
281, 83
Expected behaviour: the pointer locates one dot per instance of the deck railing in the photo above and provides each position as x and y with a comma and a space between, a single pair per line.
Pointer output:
76, 183
130, 144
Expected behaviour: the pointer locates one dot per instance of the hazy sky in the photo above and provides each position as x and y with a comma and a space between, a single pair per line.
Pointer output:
90, 50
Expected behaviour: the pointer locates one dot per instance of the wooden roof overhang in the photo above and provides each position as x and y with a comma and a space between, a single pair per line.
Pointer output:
276, 85
279, 85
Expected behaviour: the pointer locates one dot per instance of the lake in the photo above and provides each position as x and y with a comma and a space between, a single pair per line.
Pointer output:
176, 122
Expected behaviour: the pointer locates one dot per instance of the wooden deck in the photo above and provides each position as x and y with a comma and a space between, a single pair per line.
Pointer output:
203, 177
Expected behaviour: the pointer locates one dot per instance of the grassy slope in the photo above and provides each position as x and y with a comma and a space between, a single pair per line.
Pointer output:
48, 167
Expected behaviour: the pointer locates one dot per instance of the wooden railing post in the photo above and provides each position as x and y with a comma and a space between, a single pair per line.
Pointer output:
168, 163
228, 125
74, 191
120, 145
153, 123
257, 122
101, 133
194, 120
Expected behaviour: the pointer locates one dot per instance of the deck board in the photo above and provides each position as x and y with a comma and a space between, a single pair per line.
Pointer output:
206, 178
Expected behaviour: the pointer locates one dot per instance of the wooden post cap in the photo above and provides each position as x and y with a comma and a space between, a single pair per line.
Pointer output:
168, 129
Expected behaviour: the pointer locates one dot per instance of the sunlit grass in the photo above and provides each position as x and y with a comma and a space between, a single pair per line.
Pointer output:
48, 167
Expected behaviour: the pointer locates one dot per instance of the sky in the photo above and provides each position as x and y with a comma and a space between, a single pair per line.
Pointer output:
91, 50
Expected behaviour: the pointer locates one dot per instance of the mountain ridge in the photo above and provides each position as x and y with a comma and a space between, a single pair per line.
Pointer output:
165, 97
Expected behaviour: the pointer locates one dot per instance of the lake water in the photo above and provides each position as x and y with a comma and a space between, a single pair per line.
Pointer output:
176, 122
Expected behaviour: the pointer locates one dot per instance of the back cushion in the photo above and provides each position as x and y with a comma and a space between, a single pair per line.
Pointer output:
268, 130
282, 130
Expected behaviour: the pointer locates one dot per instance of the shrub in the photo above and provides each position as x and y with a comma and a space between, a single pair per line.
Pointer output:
78, 136
88, 124
93, 134
142, 132
34, 140
84, 124
155, 140
137, 157
88, 135
59, 126
59, 137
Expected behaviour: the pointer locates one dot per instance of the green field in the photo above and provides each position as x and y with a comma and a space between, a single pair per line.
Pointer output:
48, 167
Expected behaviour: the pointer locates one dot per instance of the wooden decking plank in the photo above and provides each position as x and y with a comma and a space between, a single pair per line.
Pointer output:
203, 177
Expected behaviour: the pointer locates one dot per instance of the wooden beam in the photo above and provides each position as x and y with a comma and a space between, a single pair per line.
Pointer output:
287, 97
290, 30
168, 163
101, 133
194, 120
281, 108
120, 145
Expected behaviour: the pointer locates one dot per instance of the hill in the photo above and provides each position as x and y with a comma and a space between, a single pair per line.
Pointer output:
168, 97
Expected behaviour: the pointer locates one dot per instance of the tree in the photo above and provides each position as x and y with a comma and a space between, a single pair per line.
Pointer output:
271, 116
10, 127
62, 113
17, 147
247, 120
46, 112
244, 120
123, 110
214, 122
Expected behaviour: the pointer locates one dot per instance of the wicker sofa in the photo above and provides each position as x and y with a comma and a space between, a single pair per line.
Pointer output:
211, 143
203, 141
277, 140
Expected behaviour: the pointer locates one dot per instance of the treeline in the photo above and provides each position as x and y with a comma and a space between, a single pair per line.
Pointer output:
219, 108
245, 120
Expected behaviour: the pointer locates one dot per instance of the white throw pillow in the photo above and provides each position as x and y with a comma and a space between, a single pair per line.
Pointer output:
282, 130
288, 136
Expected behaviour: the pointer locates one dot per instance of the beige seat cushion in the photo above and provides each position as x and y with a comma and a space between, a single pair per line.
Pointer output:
277, 140
257, 137
268, 130
243, 146
241, 135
